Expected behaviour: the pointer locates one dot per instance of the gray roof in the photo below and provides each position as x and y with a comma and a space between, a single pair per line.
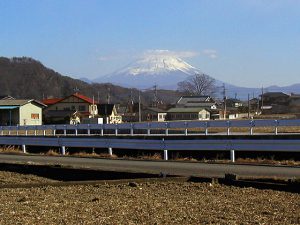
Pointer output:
19, 102
185, 110
193, 99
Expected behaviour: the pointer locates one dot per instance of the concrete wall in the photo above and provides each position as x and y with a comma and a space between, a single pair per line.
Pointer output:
30, 114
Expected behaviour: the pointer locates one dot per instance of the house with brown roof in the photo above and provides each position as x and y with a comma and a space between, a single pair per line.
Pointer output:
61, 110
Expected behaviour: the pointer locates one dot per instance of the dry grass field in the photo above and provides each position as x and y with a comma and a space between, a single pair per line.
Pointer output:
143, 203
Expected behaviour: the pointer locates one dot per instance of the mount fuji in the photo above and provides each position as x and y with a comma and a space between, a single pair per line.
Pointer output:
162, 69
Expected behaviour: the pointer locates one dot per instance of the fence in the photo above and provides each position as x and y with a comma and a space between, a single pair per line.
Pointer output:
157, 136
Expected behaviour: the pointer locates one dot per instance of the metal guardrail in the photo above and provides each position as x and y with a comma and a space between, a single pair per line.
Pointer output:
83, 135
134, 128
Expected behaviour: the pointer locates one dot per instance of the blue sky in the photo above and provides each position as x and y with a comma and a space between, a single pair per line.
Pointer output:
250, 43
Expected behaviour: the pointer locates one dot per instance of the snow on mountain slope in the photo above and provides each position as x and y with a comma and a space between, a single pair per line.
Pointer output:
159, 68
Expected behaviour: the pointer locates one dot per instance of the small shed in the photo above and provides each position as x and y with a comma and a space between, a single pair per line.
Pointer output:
20, 112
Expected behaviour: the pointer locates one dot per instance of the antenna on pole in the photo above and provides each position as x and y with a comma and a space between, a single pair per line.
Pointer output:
76, 90
224, 100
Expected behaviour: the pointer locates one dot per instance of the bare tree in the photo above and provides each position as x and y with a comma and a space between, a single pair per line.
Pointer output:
199, 84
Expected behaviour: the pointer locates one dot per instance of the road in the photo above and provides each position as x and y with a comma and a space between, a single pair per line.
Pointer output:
169, 167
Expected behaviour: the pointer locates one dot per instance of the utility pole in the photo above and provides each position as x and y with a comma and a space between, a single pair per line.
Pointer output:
248, 105
140, 111
224, 101
155, 99
262, 99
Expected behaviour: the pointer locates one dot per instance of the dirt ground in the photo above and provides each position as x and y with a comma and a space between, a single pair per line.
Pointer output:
143, 203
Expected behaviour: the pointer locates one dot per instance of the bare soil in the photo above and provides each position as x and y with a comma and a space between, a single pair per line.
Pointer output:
144, 203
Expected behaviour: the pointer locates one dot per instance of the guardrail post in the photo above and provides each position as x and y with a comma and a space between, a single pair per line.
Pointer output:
89, 130
276, 127
131, 129
167, 130
24, 148
26, 131
9, 131
232, 155
63, 150
251, 127
116, 130
165, 154
148, 130
228, 127
110, 152
54, 130
17, 130
102, 130
1, 131
76, 130
65, 130
44, 132
206, 128
186, 129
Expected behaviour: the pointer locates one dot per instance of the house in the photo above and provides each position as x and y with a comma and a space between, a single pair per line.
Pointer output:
109, 113
154, 114
20, 112
196, 102
61, 110
294, 103
188, 114
233, 102
274, 103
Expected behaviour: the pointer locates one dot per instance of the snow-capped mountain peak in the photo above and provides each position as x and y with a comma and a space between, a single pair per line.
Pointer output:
157, 64
159, 67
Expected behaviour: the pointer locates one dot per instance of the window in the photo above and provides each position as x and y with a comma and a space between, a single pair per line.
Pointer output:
81, 108
35, 116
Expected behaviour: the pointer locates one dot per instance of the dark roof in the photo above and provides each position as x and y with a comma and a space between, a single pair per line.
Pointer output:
275, 94
105, 109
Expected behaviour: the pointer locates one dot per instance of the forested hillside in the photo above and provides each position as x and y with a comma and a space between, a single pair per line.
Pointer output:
28, 78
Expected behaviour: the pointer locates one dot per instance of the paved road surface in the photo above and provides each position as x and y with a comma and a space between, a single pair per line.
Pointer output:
172, 168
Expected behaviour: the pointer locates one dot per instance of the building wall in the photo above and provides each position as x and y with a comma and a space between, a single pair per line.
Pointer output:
30, 114
202, 115
71, 103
